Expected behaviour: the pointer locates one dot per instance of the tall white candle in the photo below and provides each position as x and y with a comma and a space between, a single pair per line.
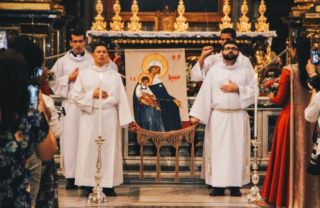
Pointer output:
100, 105
256, 109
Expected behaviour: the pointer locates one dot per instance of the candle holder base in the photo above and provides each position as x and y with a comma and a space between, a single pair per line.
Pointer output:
254, 194
97, 196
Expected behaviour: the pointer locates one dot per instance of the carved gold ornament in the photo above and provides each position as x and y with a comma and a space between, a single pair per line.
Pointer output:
99, 24
226, 20
134, 24
181, 25
116, 24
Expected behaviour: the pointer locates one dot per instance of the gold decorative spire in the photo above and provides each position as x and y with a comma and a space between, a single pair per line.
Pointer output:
116, 24
244, 25
99, 24
181, 25
262, 25
226, 20
134, 24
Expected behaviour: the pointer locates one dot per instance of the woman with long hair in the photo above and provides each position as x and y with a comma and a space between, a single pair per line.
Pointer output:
22, 131
276, 186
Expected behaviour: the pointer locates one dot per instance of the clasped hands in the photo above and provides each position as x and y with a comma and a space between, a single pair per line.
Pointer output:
230, 87
104, 94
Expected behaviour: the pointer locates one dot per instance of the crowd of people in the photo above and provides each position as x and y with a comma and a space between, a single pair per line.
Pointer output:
93, 94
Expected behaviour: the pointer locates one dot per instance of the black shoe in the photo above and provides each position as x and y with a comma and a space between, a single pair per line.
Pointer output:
70, 184
217, 192
109, 191
235, 191
86, 190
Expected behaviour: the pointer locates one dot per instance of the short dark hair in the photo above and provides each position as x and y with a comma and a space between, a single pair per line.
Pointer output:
77, 31
94, 45
233, 42
230, 31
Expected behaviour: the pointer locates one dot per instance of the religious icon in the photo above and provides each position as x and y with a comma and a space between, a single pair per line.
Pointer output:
154, 108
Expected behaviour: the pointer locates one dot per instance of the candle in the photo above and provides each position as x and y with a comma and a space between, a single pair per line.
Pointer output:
100, 106
256, 109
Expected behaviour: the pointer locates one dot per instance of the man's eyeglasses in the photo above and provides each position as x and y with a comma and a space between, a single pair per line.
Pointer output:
231, 48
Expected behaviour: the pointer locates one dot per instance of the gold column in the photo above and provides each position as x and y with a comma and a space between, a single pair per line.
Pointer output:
244, 25
226, 20
99, 24
261, 24
116, 24
134, 24
181, 25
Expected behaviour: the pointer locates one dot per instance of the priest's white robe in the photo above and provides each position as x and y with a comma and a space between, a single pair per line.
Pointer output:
61, 87
198, 74
115, 113
227, 133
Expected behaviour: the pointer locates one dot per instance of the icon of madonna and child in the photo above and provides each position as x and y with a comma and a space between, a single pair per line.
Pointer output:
154, 108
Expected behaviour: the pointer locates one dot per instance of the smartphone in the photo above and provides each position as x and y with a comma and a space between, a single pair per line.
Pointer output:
315, 56
38, 72
34, 92
3, 40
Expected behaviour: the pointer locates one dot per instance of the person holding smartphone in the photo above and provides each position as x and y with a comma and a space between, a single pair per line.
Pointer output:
22, 131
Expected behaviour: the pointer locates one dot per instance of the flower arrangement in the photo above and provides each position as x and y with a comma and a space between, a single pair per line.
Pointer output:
270, 84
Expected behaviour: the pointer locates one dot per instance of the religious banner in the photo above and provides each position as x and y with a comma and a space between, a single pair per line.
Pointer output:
156, 87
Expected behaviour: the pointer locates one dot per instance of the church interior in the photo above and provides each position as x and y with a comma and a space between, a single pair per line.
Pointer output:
164, 169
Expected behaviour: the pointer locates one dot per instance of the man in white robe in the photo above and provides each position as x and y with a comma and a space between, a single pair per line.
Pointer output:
66, 70
207, 59
229, 87
115, 113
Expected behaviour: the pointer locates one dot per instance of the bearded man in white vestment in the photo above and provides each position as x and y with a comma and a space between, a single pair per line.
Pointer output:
66, 70
115, 113
229, 87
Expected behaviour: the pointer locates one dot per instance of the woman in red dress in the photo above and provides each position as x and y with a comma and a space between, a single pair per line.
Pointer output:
276, 185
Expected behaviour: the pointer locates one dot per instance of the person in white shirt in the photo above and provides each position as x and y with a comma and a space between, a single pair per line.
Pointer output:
312, 114
220, 105
207, 59
115, 113
66, 70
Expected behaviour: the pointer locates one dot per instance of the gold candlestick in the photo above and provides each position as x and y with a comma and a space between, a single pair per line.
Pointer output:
97, 195
261, 24
99, 24
134, 24
244, 25
181, 25
116, 24
226, 20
